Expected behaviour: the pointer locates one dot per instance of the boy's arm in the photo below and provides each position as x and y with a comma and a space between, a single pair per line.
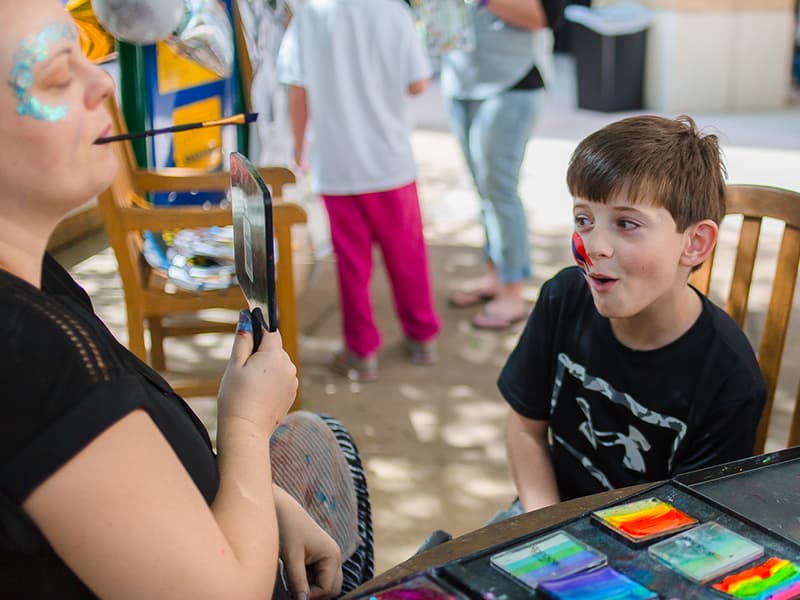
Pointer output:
529, 458
419, 86
298, 115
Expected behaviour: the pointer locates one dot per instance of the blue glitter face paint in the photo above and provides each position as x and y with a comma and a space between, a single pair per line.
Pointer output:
32, 50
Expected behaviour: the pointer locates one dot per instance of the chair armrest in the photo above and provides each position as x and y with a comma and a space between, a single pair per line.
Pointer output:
179, 217
186, 217
175, 179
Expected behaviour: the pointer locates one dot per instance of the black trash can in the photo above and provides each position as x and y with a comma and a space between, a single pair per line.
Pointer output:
609, 47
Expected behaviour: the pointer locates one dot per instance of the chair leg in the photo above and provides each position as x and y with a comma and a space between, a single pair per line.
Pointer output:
157, 359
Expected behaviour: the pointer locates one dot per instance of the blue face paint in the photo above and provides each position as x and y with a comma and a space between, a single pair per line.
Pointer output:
34, 49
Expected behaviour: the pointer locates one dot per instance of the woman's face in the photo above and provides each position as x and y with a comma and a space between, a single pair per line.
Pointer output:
51, 111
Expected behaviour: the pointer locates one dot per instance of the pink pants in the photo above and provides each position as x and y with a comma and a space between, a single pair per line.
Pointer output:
392, 219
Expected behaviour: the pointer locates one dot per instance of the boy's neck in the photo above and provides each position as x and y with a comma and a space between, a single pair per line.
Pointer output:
662, 323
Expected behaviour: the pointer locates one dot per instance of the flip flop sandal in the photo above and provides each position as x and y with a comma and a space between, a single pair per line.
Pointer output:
465, 299
487, 321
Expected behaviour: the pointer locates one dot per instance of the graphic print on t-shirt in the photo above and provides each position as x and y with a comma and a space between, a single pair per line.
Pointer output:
613, 423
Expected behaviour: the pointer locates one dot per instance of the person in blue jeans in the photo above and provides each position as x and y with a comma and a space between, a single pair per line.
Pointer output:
494, 95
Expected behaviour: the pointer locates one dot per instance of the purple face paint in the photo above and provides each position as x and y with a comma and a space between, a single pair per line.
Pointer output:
32, 50
601, 583
579, 252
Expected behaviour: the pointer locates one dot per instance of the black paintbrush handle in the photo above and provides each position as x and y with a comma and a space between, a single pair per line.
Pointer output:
141, 134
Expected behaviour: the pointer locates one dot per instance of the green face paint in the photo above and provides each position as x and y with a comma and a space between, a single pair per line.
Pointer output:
34, 49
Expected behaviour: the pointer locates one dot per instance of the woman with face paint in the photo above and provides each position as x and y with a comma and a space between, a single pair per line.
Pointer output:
108, 483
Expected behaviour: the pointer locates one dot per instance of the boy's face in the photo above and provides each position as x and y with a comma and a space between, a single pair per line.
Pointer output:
635, 256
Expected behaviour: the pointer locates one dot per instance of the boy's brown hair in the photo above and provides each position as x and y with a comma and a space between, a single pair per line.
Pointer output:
666, 162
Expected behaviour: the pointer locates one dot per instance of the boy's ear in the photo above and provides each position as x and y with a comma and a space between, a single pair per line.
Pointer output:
701, 238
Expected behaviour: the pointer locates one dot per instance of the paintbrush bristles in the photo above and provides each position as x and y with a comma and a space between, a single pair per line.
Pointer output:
240, 119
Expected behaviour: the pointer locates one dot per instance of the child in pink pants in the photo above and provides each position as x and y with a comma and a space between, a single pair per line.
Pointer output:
350, 65
392, 219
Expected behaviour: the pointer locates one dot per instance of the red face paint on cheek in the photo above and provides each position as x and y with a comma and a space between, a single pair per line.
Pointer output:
579, 252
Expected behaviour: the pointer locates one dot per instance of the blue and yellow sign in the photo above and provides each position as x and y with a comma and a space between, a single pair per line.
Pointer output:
160, 88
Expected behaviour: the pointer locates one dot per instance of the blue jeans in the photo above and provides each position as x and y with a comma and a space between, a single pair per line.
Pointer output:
514, 510
493, 134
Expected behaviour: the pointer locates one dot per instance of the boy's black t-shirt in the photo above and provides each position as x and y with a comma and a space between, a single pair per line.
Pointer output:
618, 416
65, 380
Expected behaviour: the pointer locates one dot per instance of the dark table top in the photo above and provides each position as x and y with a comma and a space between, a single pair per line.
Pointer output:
498, 533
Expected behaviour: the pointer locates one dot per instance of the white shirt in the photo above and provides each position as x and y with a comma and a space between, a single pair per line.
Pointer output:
355, 59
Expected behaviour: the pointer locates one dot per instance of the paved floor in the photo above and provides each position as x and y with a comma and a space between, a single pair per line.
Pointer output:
431, 437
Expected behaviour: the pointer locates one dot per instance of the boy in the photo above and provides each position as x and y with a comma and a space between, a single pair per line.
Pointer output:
632, 373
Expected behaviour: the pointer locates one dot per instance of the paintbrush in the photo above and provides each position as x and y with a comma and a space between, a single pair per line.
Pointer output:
240, 119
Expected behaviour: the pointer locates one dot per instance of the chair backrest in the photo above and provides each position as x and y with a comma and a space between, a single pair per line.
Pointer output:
755, 203
127, 214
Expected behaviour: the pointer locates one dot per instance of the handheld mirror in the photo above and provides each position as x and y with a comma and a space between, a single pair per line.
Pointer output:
253, 249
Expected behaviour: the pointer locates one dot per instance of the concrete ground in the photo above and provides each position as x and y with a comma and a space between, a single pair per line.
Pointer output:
432, 437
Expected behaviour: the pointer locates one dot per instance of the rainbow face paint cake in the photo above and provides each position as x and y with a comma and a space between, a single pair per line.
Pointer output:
706, 552
644, 520
601, 584
774, 579
549, 557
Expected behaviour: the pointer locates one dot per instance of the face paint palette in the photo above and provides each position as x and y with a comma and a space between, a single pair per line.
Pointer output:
601, 584
549, 557
644, 520
706, 552
774, 579
739, 544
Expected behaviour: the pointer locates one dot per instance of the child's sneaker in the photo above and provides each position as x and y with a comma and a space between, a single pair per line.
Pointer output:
354, 367
423, 353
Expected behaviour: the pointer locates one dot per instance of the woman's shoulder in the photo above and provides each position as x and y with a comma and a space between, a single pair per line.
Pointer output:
43, 332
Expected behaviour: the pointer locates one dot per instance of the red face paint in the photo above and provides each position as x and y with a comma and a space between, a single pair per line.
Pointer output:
579, 252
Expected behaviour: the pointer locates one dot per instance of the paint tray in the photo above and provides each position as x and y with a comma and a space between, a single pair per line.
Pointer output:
644, 520
773, 578
549, 557
600, 584
706, 552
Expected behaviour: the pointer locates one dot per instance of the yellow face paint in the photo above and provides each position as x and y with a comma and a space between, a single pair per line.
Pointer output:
34, 49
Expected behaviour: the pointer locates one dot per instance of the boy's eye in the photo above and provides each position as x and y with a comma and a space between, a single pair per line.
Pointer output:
581, 221
626, 224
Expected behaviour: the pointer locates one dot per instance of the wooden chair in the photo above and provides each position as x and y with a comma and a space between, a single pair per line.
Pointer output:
756, 203
126, 214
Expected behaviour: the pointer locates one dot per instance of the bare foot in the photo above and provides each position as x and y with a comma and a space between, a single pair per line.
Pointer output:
506, 309
476, 291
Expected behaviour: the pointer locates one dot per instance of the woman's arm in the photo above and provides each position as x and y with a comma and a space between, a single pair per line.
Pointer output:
525, 14
529, 459
127, 518
306, 551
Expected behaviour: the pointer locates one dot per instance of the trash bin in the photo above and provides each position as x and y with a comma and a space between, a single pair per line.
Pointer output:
609, 46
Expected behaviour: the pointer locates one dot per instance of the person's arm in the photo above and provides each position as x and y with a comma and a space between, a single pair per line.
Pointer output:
127, 518
529, 458
304, 544
525, 14
298, 115
419, 86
